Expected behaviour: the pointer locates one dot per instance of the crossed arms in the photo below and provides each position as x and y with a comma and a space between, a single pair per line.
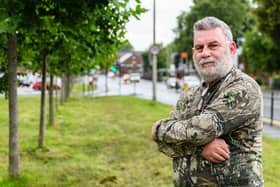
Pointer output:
178, 135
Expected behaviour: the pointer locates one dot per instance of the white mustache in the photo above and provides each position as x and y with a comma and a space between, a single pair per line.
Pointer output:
206, 60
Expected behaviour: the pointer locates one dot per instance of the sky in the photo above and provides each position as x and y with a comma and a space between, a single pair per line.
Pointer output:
140, 32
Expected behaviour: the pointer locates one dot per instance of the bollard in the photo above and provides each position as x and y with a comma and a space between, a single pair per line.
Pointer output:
271, 107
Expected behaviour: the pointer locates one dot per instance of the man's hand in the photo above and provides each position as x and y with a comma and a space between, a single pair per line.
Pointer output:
216, 151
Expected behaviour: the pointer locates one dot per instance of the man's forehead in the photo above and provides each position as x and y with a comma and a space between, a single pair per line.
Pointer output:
209, 36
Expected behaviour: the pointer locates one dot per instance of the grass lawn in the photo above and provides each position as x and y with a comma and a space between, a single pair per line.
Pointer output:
102, 142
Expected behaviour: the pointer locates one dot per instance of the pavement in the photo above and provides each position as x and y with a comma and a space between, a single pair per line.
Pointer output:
271, 131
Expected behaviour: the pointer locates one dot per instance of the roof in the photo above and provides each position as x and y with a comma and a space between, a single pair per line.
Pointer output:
125, 57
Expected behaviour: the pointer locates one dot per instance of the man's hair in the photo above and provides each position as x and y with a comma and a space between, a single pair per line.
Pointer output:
211, 23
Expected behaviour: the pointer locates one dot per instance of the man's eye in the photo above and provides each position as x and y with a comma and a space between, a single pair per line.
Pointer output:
213, 46
198, 48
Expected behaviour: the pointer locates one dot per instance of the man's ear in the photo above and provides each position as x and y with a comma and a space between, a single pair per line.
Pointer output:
232, 48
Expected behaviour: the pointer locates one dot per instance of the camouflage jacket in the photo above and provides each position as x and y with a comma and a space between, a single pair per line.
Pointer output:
232, 110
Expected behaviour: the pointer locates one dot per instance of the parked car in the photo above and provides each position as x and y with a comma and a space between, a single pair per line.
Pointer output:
173, 82
24, 81
190, 81
38, 86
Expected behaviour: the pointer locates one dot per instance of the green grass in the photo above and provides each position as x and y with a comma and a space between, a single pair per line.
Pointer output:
102, 142
271, 161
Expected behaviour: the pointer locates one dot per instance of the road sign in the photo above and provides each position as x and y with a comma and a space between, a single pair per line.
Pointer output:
155, 49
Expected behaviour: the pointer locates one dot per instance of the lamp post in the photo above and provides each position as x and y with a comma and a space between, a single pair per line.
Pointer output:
154, 54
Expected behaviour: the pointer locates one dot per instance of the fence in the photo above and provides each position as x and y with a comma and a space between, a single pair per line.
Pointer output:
272, 105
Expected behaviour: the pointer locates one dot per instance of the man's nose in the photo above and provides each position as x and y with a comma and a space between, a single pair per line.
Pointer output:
205, 52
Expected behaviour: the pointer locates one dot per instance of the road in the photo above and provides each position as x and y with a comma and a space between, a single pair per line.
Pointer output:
143, 89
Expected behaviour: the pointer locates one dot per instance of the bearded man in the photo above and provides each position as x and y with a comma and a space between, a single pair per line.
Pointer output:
214, 134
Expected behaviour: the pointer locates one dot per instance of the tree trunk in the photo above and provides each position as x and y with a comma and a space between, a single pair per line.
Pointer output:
67, 86
62, 94
43, 101
51, 103
14, 170
56, 95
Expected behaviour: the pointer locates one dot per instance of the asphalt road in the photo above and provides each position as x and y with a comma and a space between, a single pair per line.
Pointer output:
143, 89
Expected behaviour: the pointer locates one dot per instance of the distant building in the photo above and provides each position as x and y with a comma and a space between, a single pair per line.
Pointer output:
130, 62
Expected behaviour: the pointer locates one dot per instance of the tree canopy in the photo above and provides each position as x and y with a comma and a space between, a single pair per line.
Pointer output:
268, 18
260, 48
80, 30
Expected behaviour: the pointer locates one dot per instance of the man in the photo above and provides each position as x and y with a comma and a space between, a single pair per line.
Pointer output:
214, 134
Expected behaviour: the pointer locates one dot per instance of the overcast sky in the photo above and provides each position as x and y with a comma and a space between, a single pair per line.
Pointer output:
140, 32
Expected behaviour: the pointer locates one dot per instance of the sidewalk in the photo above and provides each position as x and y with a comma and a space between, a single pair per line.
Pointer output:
272, 131
275, 123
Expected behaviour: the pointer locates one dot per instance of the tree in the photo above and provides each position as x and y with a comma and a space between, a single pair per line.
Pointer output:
9, 20
259, 53
127, 48
268, 21
268, 18
225, 10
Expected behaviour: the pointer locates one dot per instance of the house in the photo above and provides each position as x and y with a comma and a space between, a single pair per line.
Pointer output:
130, 62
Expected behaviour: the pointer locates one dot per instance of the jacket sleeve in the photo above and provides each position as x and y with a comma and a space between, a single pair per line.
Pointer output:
234, 107
177, 149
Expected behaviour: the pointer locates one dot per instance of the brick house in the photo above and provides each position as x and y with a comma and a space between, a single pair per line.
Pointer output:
130, 62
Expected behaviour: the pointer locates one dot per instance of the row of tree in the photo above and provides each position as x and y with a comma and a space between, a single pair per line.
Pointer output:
61, 38
255, 26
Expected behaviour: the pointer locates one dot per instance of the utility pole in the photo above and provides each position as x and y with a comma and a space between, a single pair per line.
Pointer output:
154, 52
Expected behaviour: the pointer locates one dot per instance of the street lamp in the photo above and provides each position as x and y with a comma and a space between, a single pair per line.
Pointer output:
154, 54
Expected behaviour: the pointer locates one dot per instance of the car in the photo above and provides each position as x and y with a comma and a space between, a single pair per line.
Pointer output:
24, 81
173, 82
190, 81
38, 86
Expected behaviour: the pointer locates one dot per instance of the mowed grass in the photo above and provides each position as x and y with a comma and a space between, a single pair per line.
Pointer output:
100, 141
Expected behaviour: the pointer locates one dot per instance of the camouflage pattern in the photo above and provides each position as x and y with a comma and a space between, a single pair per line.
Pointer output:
232, 110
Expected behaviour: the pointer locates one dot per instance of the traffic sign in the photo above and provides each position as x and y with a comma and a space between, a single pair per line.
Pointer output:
155, 49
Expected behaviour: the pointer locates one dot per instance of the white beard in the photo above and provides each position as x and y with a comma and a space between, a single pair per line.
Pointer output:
220, 69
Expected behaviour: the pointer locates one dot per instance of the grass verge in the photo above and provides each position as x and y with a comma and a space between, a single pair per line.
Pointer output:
102, 142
